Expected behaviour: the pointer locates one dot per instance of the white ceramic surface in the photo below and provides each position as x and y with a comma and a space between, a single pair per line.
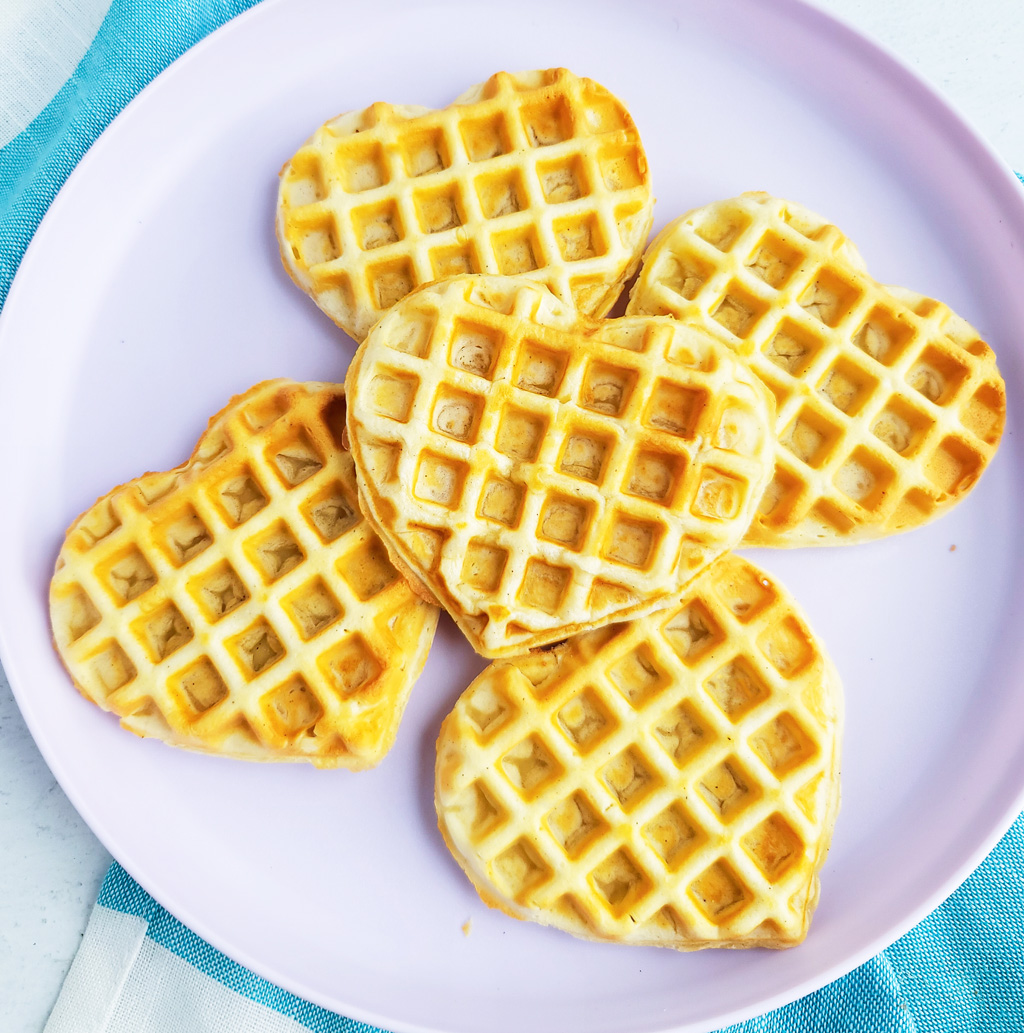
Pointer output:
153, 291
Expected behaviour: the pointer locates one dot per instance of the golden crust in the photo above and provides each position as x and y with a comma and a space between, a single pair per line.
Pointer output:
539, 173
240, 604
672, 781
889, 405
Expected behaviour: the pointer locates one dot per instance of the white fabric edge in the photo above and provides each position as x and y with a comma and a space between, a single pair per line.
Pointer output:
123, 982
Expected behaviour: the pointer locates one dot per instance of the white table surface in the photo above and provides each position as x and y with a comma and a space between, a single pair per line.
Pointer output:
52, 865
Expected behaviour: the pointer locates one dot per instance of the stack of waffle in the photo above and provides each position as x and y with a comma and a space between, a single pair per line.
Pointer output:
653, 755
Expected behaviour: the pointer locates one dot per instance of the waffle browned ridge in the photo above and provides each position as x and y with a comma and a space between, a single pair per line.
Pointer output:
539, 174
671, 781
539, 473
889, 405
240, 604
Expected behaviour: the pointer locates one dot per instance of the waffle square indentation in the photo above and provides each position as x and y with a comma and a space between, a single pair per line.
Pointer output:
184, 536
256, 649
485, 137
563, 180
674, 835
719, 495
547, 122
655, 476
240, 497
377, 225
274, 552
360, 165
351, 666
292, 707
517, 251
681, 733
620, 167
312, 608
901, 426
390, 281
811, 437
331, 513
738, 310
544, 586
638, 677
521, 434
111, 667
474, 348
937, 375
540, 370
865, 478
774, 260
501, 193
218, 591
520, 869
565, 521
736, 688
488, 710
457, 414
719, 892
584, 455
201, 685
954, 465
829, 298
129, 575
607, 389
630, 778
792, 348
675, 408
479, 812
392, 393
575, 824
484, 564
727, 789
585, 721
692, 632
163, 632
367, 570
530, 766
620, 881
774, 846
424, 152
782, 745
579, 237
501, 501
847, 386
884, 336
439, 480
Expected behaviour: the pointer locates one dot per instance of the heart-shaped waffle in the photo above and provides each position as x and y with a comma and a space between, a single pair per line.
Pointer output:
671, 781
541, 174
240, 604
889, 405
541, 473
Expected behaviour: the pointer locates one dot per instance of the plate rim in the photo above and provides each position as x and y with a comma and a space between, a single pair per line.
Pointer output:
1002, 186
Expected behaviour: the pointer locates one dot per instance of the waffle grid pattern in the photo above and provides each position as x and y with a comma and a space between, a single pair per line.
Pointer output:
240, 603
539, 481
669, 781
888, 405
541, 175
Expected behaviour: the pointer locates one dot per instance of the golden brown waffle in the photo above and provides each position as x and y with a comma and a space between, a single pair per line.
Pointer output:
671, 781
889, 405
240, 604
541, 174
541, 473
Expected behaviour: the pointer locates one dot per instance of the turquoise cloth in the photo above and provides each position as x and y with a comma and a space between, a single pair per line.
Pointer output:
962, 969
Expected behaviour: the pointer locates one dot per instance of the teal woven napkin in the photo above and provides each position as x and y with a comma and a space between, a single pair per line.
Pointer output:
962, 969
